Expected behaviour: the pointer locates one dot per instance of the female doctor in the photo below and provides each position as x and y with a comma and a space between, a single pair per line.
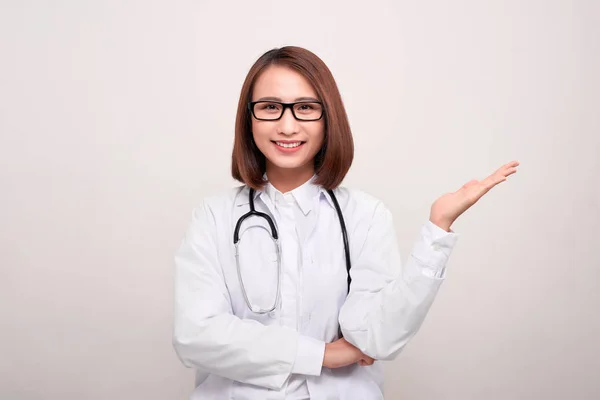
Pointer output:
290, 286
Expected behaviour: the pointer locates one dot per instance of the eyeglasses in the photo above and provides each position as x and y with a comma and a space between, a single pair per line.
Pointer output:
273, 110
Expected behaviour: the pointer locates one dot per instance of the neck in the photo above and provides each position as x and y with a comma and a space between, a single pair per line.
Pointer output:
286, 180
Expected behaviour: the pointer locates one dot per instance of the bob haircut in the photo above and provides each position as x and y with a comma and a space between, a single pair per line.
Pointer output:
334, 159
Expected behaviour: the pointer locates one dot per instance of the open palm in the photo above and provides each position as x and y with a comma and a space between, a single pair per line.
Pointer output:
446, 209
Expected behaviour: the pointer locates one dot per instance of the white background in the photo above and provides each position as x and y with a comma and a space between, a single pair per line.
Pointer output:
116, 119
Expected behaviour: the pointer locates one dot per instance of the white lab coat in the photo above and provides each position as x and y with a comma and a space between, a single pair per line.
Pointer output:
239, 354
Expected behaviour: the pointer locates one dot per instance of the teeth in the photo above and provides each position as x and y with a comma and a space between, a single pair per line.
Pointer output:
289, 145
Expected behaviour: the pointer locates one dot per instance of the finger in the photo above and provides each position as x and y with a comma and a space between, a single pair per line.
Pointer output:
512, 164
486, 184
505, 167
496, 178
479, 188
510, 171
499, 176
507, 170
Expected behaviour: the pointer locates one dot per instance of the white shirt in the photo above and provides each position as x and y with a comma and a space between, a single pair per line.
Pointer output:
239, 354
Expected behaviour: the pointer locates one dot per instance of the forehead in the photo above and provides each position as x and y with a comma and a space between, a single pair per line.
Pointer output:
282, 82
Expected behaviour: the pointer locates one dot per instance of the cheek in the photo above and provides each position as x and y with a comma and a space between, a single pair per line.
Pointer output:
255, 129
318, 136
262, 139
259, 133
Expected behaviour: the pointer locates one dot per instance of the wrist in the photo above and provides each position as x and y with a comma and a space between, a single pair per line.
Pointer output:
327, 356
441, 223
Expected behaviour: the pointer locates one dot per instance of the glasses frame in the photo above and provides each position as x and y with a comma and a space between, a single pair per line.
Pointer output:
251, 105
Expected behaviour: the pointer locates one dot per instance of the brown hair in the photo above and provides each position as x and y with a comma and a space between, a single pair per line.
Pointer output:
333, 161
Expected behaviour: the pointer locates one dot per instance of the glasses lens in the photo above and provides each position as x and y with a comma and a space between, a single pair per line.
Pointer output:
267, 110
308, 111
305, 111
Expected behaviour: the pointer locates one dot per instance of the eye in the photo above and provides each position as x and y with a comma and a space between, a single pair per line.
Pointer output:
308, 108
269, 106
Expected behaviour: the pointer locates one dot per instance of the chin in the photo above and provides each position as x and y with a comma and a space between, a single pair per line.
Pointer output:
288, 164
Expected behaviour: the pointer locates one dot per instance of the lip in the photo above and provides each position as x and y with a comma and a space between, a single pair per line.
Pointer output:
288, 149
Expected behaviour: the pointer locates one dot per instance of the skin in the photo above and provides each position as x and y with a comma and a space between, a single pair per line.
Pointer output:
287, 171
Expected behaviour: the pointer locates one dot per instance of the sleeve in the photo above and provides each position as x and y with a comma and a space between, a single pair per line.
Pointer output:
207, 335
388, 303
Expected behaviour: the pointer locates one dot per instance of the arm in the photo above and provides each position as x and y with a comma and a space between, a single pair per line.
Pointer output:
387, 303
209, 337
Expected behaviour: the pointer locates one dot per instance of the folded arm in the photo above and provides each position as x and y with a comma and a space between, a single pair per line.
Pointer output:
209, 337
388, 303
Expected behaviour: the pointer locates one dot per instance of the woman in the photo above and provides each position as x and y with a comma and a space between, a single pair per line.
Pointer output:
266, 309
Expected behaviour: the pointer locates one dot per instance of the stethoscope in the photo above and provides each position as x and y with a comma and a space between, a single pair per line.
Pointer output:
275, 238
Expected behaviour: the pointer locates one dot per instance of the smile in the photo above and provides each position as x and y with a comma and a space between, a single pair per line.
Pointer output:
288, 145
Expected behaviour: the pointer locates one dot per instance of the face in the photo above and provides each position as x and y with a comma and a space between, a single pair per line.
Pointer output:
289, 145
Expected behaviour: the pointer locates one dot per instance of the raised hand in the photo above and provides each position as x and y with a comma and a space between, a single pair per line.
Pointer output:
446, 209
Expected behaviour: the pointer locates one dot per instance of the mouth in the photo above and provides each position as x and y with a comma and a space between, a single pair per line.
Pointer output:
288, 146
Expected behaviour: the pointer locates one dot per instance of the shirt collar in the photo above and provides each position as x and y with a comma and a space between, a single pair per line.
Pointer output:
304, 194
241, 199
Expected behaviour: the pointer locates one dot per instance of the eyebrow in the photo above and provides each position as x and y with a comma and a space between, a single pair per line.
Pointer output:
271, 98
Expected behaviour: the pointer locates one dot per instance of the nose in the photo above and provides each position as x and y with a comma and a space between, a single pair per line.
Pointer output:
288, 125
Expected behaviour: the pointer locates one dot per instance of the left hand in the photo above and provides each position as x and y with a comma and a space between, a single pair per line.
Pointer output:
446, 209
